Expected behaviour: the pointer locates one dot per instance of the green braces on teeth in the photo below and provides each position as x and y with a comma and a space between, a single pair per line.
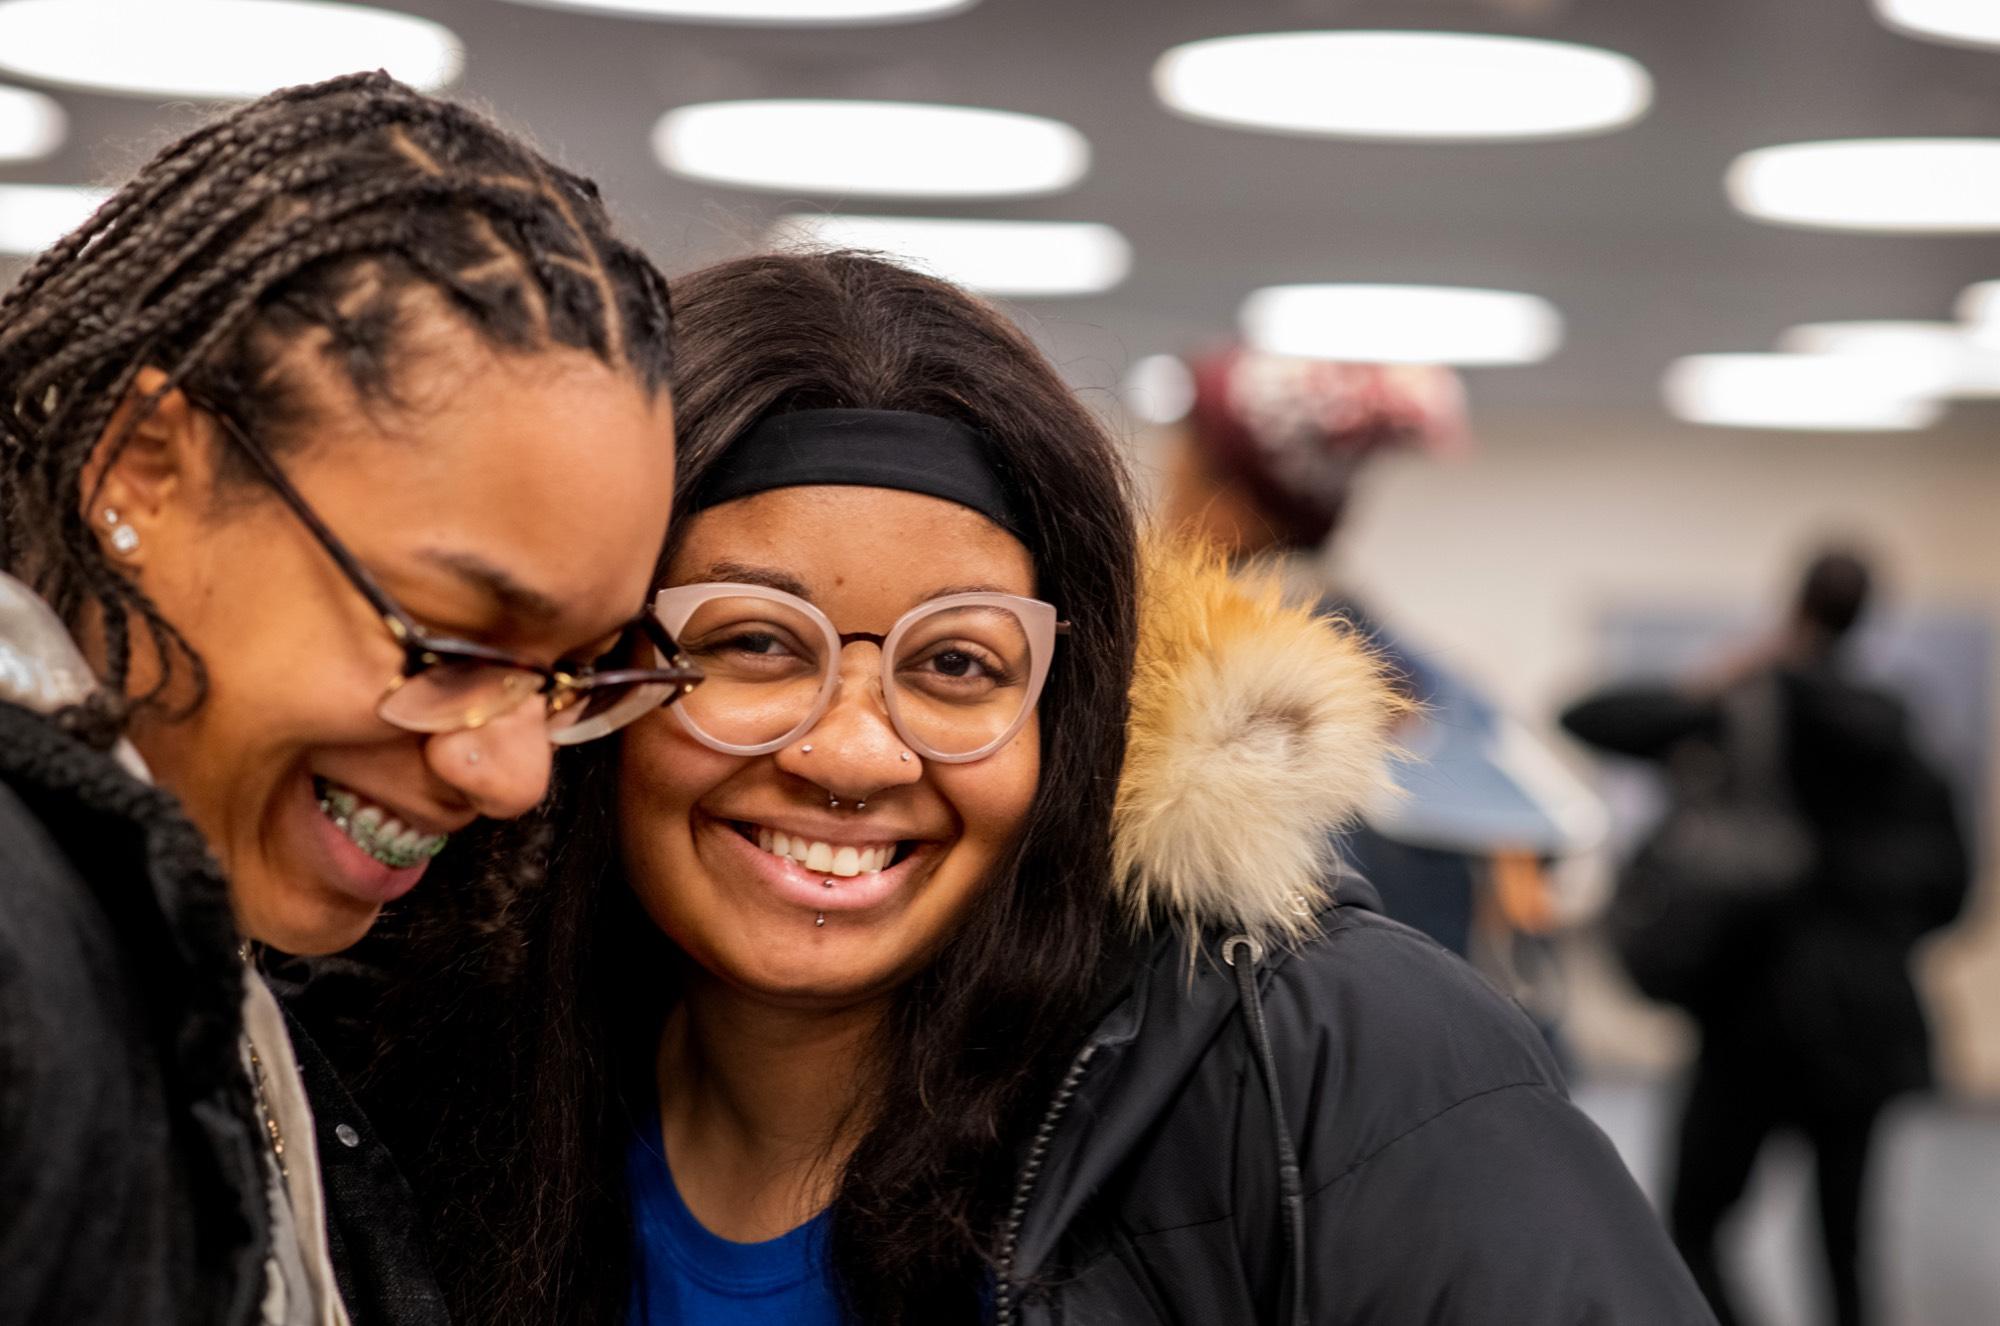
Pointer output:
341, 807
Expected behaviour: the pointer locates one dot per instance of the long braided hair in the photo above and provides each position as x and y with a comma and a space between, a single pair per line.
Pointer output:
319, 211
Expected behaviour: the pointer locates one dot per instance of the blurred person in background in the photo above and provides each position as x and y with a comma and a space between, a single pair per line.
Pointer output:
940, 967
335, 450
1264, 465
1809, 846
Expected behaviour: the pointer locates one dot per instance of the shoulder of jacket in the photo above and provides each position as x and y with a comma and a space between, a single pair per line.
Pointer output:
1385, 1030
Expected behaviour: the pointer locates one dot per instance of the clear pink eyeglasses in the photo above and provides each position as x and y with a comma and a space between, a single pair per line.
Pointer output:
960, 674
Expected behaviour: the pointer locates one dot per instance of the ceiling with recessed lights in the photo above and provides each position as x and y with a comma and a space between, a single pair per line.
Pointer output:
1625, 239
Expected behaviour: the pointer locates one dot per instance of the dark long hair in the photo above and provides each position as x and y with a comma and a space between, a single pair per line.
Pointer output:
533, 1055
314, 211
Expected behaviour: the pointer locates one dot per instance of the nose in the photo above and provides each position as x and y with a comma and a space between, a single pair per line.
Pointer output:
502, 768
855, 752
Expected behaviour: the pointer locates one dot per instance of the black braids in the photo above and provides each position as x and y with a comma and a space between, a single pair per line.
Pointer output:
300, 229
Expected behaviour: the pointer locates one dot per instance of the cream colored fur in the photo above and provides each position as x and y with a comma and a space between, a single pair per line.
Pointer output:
1257, 729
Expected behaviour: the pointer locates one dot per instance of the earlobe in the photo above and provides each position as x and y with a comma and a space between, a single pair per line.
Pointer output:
150, 460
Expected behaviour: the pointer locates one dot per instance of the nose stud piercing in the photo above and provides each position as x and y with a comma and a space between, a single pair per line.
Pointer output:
124, 539
906, 757
806, 749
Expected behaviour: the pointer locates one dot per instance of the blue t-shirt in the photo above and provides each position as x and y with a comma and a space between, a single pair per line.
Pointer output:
685, 1276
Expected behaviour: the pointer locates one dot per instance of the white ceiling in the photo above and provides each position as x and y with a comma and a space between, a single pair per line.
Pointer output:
1628, 234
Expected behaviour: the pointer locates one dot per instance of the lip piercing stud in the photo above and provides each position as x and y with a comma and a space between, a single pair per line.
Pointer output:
820, 919
826, 883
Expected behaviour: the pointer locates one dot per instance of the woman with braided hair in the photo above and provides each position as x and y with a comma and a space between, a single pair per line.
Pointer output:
335, 453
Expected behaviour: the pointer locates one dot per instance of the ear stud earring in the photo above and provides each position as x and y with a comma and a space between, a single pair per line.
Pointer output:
124, 539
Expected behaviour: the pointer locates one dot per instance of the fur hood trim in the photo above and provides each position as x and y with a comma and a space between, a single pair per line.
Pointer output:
1257, 729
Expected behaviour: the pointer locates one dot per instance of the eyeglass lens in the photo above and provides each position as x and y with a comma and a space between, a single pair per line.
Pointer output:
454, 694
958, 679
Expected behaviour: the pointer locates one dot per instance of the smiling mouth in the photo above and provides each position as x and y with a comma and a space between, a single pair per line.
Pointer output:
374, 829
841, 860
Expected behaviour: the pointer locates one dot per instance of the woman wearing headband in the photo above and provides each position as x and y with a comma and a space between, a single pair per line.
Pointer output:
334, 450
961, 950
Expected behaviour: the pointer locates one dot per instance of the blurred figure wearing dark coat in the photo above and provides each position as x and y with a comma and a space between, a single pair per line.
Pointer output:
1809, 1018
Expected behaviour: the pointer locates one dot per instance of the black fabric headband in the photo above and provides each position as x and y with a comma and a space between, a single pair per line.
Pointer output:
917, 453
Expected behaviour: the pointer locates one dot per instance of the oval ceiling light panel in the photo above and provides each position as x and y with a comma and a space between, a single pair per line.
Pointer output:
1906, 185
883, 148
1013, 259
31, 125
1439, 85
1809, 392
1941, 358
774, 12
34, 216
1966, 22
1407, 324
230, 49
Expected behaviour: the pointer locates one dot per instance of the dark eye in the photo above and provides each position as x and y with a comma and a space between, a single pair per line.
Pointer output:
761, 642
954, 663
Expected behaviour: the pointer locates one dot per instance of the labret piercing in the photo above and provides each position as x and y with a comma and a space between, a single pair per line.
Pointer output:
820, 919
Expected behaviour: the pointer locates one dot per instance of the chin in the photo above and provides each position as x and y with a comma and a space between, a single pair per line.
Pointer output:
301, 919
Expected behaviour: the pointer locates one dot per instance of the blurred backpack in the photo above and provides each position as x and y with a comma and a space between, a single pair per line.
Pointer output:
1695, 902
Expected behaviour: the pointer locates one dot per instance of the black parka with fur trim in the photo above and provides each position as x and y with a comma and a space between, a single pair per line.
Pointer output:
1296, 1110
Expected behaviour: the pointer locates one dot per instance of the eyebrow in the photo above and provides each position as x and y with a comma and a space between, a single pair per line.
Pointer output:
514, 597
742, 573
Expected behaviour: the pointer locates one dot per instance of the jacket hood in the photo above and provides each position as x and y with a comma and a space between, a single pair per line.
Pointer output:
1257, 730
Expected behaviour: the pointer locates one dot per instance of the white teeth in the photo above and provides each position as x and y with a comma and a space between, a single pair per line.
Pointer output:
844, 861
369, 818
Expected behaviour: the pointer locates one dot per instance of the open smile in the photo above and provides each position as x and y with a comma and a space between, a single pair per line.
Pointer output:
825, 875
376, 829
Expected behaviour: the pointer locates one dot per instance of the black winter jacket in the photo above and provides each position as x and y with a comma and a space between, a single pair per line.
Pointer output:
1442, 1174
1320, 1116
132, 1188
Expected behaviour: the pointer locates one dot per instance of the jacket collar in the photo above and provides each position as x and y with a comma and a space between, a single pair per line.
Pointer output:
41, 669
1258, 730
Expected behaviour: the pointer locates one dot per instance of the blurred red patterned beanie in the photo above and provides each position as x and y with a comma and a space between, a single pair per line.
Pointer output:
1295, 431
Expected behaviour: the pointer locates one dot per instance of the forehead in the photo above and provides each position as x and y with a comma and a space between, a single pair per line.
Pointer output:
869, 550
550, 468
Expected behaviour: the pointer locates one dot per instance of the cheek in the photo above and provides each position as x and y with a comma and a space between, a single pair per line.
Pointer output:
994, 796
662, 773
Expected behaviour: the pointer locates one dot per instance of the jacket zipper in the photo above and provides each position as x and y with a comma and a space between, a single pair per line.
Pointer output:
1004, 1307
